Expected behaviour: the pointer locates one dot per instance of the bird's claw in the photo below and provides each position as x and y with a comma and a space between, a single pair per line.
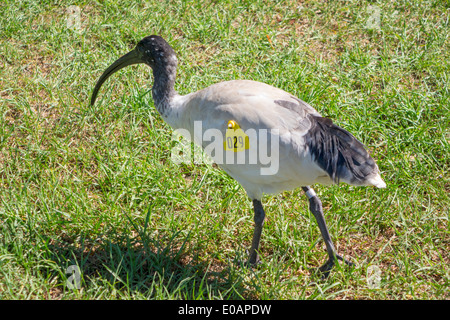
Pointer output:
327, 266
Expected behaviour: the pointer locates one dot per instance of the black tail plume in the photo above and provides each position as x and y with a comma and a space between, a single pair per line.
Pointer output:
338, 152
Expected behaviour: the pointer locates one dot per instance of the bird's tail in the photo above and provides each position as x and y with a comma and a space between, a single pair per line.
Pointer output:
341, 155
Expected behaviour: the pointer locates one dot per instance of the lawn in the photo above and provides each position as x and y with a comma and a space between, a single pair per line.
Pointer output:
93, 189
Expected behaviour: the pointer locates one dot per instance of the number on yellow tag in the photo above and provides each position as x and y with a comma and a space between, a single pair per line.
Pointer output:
235, 138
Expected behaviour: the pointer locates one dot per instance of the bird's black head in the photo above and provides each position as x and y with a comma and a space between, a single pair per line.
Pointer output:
152, 50
155, 51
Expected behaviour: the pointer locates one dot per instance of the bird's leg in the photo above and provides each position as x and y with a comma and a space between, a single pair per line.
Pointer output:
315, 205
259, 223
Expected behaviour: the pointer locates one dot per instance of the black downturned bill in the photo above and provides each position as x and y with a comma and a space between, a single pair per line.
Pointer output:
133, 57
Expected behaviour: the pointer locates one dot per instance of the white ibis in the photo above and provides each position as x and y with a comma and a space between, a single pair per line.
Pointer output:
309, 148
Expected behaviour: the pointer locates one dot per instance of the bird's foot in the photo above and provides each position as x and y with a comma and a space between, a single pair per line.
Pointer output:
327, 266
249, 261
252, 261
253, 264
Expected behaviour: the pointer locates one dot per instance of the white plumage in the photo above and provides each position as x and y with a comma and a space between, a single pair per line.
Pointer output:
310, 149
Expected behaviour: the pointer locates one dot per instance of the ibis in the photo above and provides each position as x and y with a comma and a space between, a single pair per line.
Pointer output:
305, 148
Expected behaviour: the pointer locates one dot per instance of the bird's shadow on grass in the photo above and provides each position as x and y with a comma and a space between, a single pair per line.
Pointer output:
144, 267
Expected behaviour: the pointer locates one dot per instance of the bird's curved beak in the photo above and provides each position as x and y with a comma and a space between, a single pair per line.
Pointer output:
132, 57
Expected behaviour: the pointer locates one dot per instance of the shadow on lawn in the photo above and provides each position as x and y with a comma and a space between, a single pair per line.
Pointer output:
157, 269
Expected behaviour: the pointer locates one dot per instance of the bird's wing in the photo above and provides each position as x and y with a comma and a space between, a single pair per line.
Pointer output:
252, 104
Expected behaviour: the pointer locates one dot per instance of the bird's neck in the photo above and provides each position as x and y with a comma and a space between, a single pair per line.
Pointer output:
163, 90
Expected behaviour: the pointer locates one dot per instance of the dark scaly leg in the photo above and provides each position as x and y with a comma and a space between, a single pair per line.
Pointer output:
315, 205
259, 223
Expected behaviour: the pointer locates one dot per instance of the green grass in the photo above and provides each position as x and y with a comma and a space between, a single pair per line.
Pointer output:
95, 186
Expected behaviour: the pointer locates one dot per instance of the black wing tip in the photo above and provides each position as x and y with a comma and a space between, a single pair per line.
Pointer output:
338, 152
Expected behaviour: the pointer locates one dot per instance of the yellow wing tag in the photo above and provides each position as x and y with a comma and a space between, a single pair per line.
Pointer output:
235, 138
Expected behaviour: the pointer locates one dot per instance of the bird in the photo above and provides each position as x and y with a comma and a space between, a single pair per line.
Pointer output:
306, 148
